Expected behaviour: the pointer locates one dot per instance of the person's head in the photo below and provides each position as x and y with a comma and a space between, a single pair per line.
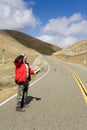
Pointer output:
25, 58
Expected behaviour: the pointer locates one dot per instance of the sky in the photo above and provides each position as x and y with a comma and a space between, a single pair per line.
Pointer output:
59, 22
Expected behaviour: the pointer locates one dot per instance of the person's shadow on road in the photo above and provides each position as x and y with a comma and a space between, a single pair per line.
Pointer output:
29, 99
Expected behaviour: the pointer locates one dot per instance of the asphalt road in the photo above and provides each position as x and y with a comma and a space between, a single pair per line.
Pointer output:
55, 102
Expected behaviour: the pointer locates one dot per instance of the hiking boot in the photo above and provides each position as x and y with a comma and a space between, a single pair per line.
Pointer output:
20, 109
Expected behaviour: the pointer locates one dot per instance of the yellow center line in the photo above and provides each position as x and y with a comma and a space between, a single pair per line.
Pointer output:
79, 82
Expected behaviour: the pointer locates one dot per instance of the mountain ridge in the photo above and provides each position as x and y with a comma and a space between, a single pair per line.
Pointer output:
31, 42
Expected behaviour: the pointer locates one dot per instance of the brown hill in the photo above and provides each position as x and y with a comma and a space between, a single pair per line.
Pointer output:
10, 47
30, 42
76, 53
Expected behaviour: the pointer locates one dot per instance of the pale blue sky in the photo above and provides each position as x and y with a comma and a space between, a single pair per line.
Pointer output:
61, 22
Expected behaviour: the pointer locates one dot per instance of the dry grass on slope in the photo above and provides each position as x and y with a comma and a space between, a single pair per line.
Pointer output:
76, 53
75, 49
33, 43
78, 59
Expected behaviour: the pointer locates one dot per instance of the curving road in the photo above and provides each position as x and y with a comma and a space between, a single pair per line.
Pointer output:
55, 102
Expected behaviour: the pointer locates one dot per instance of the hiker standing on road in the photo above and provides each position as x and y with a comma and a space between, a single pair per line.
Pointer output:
22, 77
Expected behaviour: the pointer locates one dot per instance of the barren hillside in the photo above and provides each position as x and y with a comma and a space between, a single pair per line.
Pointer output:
76, 53
25, 40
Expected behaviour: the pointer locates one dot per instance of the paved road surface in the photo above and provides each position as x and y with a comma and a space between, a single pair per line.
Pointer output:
54, 103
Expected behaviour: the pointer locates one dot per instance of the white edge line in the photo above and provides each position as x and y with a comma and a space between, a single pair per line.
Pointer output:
30, 85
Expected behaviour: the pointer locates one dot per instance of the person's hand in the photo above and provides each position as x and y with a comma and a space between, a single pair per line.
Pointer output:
37, 71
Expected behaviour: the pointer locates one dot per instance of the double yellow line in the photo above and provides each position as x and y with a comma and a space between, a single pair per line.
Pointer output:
79, 82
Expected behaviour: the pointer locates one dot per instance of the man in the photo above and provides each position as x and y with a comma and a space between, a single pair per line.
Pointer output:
29, 71
22, 77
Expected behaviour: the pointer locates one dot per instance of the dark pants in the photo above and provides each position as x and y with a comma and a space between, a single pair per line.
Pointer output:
25, 93
22, 94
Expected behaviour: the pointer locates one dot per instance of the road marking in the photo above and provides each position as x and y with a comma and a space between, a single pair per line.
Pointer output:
79, 82
30, 85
